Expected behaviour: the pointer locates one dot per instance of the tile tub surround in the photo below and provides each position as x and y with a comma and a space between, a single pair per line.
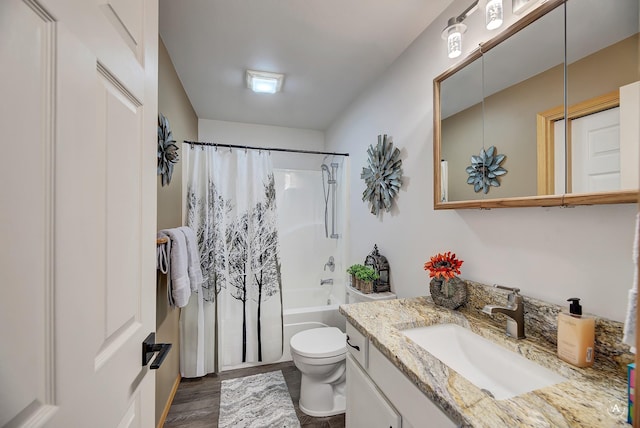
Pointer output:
584, 400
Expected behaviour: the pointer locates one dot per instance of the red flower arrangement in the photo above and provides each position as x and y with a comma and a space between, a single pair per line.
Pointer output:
443, 265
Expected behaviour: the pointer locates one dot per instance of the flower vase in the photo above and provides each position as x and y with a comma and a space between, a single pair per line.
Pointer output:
449, 293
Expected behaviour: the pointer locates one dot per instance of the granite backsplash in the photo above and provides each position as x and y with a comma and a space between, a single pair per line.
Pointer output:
541, 320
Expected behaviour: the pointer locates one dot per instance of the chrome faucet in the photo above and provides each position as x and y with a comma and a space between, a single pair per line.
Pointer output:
326, 281
514, 312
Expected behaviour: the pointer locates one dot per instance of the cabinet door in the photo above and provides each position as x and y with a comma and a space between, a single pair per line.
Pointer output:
416, 408
366, 406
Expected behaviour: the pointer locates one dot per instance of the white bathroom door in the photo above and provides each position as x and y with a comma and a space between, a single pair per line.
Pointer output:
78, 196
595, 152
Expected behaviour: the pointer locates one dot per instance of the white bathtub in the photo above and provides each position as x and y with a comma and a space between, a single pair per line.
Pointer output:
300, 319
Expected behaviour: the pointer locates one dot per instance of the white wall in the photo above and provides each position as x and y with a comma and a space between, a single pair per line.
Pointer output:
550, 253
249, 134
246, 134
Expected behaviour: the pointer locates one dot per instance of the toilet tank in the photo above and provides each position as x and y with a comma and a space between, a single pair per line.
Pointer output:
355, 296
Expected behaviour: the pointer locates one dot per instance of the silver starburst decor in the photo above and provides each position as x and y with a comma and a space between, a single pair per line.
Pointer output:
485, 170
167, 150
383, 177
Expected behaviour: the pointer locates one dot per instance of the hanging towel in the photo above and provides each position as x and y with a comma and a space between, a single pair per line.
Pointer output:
162, 254
195, 273
163, 263
180, 286
632, 307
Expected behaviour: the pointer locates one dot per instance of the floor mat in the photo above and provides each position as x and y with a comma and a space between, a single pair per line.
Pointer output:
256, 401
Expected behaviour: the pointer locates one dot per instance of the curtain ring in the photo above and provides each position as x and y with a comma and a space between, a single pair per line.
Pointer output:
191, 144
216, 149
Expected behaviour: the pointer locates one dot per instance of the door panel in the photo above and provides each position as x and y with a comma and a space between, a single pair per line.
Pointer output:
26, 255
122, 146
126, 18
80, 219
595, 146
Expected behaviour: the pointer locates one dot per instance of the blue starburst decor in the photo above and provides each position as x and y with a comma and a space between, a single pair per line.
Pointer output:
485, 170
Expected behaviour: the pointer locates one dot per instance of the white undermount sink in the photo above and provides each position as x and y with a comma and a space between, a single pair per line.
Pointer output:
492, 368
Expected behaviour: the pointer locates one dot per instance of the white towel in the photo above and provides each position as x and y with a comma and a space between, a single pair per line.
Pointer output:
162, 254
632, 308
195, 272
180, 286
163, 263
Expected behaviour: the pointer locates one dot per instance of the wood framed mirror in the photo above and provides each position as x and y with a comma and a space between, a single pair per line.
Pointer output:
512, 93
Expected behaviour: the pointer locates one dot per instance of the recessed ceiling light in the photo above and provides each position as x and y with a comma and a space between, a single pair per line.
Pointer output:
264, 82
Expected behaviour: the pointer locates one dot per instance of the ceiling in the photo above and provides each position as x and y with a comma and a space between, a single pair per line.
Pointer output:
329, 50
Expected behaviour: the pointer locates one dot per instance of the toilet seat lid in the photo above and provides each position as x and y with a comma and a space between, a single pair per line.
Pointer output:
319, 342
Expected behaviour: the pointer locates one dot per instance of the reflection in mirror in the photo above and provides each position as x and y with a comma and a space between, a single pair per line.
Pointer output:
461, 112
523, 76
524, 101
602, 62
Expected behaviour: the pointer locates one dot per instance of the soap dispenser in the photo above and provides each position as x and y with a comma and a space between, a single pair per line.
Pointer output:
576, 334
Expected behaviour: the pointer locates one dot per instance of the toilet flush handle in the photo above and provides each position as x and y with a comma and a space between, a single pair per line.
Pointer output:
356, 347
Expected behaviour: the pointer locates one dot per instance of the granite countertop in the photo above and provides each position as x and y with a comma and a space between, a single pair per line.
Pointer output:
591, 397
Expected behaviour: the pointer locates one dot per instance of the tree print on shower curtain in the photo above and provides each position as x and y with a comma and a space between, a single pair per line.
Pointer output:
206, 217
264, 253
231, 206
238, 256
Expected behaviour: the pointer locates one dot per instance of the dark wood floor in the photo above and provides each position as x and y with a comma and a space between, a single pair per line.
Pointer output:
197, 401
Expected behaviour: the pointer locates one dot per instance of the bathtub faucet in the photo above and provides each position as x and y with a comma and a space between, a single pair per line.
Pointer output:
326, 281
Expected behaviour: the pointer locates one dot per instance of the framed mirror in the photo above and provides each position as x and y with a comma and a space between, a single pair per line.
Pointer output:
512, 94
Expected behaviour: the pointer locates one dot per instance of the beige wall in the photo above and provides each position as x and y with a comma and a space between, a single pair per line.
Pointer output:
175, 106
516, 137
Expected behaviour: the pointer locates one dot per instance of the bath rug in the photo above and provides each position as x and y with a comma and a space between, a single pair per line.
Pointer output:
257, 401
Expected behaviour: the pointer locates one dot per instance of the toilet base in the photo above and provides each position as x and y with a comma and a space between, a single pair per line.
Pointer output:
322, 399
336, 411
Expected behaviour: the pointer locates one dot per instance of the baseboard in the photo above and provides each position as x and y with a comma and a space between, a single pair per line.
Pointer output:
167, 406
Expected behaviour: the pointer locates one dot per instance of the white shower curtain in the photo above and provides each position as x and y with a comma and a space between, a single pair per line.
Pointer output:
237, 315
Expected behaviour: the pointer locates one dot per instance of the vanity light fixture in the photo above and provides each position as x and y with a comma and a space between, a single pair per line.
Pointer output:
453, 35
493, 14
455, 28
264, 81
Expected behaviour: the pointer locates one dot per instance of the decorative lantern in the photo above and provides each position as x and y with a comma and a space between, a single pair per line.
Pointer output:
380, 264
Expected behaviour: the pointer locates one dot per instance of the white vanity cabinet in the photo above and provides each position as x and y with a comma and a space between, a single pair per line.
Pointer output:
380, 395
366, 406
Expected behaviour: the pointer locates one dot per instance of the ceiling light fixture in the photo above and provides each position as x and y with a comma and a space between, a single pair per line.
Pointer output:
264, 81
455, 28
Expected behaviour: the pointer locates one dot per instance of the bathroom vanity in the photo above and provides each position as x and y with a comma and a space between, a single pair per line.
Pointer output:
378, 394
392, 379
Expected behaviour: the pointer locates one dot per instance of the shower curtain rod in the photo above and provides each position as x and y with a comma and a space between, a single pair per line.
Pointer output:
267, 149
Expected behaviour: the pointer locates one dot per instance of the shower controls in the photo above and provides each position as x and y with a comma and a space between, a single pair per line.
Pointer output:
331, 264
326, 281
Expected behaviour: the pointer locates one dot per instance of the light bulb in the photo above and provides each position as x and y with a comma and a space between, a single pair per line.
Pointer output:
454, 44
493, 13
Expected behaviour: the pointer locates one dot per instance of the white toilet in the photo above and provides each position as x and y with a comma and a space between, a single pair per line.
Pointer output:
320, 355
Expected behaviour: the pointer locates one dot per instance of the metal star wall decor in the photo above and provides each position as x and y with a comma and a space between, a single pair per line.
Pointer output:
383, 177
485, 170
167, 150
